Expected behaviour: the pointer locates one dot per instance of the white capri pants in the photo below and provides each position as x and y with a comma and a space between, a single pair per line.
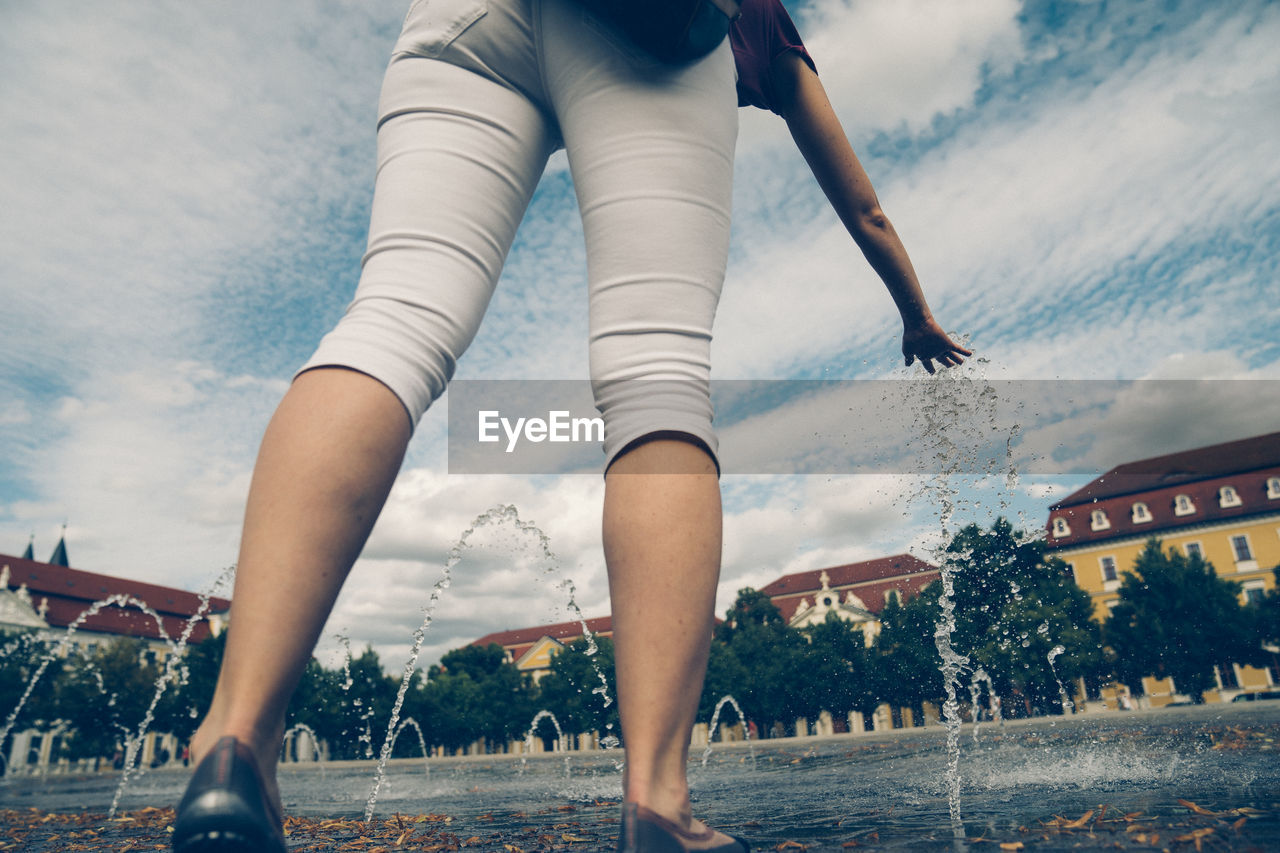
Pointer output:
477, 96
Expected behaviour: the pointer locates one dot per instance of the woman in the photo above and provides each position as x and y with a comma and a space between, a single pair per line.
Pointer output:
476, 97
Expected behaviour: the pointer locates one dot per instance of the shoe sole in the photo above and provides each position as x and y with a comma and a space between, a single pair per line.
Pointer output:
221, 841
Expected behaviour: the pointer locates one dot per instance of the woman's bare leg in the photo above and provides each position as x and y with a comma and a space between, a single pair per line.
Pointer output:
662, 536
326, 465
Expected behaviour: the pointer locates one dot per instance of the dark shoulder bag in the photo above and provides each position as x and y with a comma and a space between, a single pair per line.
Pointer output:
674, 31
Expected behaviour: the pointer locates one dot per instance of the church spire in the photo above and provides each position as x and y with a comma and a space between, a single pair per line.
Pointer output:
30, 553
59, 557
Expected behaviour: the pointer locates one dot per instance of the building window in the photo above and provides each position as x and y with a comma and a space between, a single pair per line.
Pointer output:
1060, 527
1140, 513
1109, 569
1254, 592
1098, 520
1273, 488
1240, 546
1227, 496
1193, 550
1182, 505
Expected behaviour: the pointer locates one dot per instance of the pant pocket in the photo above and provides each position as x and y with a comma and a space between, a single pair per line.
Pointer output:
431, 25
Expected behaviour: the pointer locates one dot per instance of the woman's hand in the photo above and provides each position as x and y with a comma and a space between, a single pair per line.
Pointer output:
925, 340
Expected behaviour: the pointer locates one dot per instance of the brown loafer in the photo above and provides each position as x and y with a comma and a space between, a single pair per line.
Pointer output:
645, 831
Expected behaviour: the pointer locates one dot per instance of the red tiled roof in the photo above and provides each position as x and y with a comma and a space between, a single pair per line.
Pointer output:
600, 626
869, 580
70, 592
1173, 469
1250, 488
848, 575
872, 594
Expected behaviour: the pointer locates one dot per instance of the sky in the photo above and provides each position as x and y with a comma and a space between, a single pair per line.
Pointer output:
1086, 190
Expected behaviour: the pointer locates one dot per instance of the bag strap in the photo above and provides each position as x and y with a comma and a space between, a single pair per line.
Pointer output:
731, 8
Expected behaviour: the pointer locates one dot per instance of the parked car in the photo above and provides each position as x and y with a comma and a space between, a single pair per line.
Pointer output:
1257, 695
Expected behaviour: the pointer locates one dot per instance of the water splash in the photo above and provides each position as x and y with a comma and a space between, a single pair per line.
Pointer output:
1068, 707
975, 697
715, 721
528, 738
422, 741
498, 515
956, 415
312, 736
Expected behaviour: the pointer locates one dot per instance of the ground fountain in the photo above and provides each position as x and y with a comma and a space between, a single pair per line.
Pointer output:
410, 722
715, 722
503, 514
292, 732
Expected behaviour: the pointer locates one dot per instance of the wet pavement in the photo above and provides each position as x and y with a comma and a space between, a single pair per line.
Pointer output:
1204, 778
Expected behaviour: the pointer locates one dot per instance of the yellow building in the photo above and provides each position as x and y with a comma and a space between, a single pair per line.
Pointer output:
1221, 502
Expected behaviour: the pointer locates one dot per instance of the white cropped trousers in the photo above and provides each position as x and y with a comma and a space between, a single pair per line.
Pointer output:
477, 96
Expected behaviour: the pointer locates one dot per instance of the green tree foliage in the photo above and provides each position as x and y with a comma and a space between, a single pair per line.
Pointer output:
350, 706
103, 695
772, 663
906, 657
1177, 618
573, 690
841, 668
472, 694
1013, 606
187, 698
1267, 614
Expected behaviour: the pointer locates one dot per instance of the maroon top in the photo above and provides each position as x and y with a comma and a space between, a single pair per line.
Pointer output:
763, 32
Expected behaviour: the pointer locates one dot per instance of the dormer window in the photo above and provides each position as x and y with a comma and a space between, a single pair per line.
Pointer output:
1182, 505
1098, 520
1227, 497
1273, 488
1060, 527
1141, 514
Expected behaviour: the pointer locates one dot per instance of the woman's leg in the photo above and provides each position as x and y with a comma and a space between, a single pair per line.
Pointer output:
327, 462
662, 533
651, 152
459, 156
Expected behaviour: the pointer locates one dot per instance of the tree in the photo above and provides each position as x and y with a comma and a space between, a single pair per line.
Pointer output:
573, 691
1267, 619
1177, 618
841, 668
1013, 606
187, 699
354, 705
771, 661
103, 696
906, 657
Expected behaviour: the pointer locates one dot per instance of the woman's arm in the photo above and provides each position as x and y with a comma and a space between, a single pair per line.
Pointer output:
803, 103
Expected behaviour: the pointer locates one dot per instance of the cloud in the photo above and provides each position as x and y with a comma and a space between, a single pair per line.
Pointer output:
1072, 209
900, 64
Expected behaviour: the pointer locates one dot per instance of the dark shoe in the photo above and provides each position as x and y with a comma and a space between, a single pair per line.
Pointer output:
644, 831
226, 809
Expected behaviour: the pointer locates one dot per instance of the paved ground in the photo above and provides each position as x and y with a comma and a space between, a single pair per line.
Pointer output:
1202, 779
595, 828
